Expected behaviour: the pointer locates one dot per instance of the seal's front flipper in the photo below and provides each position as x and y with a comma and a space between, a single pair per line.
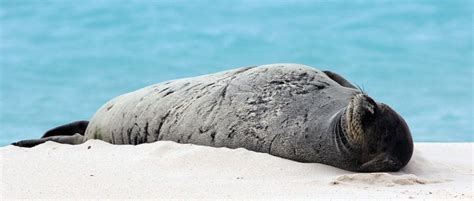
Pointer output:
339, 79
68, 129
74, 139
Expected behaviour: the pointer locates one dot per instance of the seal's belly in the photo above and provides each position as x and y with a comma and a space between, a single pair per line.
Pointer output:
259, 108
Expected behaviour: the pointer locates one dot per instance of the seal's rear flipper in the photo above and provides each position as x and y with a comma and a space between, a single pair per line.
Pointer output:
73, 139
339, 79
68, 129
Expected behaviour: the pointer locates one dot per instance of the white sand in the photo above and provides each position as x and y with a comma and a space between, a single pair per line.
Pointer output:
170, 170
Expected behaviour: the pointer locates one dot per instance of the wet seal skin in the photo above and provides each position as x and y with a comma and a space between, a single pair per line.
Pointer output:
288, 110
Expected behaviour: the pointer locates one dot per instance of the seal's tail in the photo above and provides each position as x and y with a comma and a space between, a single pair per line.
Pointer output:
72, 133
68, 129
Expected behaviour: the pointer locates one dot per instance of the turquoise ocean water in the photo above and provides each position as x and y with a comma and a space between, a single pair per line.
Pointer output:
61, 60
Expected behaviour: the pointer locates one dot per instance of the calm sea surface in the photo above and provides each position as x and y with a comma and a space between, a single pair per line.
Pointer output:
61, 60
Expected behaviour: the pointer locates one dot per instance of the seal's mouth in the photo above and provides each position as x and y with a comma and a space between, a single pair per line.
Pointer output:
358, 112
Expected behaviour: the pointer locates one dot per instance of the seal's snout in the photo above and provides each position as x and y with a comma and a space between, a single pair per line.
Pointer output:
363, 104
381, 136
360, 111
360, 108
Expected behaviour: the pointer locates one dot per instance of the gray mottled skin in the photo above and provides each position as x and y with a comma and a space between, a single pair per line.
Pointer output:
284, 110
288, 110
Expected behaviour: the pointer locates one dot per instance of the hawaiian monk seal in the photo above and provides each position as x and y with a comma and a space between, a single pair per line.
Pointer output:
288, 110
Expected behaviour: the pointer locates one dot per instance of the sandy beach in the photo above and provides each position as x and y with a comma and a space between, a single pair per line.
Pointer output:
166, 170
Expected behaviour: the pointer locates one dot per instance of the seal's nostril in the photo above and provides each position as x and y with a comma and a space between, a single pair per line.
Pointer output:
370, 108
366, 103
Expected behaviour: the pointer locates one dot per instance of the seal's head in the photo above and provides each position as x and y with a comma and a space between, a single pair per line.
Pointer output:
378, 135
